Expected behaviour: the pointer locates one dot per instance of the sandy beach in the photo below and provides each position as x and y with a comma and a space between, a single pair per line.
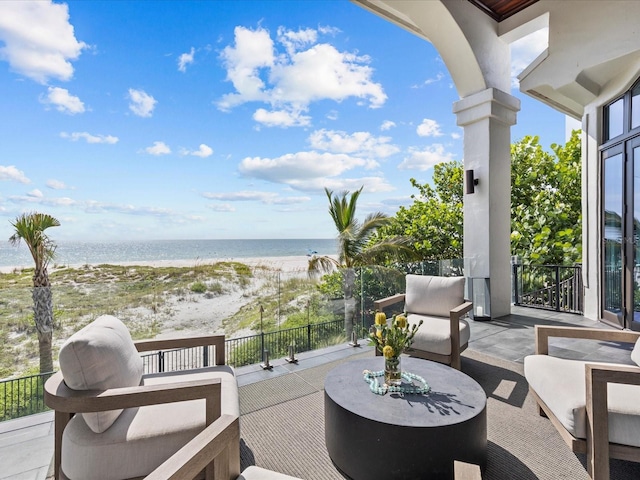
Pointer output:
283, 264
182, 312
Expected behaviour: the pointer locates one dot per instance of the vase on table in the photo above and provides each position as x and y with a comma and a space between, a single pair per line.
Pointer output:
392, 371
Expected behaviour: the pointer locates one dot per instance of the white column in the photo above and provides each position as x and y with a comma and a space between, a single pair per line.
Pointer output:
487, 117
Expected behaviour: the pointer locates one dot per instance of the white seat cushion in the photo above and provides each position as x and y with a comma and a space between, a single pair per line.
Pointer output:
433, 296
98, 357
142, 438
635, 353
434, 335
257, 473
560, 383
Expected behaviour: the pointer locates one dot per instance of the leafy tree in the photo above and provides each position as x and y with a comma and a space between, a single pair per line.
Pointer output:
30, 227
354, 248
546, 206
434, 220
546, 209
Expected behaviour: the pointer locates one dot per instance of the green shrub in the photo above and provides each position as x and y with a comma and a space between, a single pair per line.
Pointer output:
198, 287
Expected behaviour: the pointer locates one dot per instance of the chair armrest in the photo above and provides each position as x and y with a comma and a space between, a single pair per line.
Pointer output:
218, 341
460, 310
380, 305
597, 378
61, 398
207, 446
543, 333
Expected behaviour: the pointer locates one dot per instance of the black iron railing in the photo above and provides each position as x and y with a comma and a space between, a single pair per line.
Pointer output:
550, 287
22, 396
25, 395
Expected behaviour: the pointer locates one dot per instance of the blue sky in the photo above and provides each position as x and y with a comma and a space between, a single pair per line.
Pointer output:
220, 119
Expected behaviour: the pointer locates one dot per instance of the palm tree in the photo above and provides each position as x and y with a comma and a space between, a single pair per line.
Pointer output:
30, 228
354, 249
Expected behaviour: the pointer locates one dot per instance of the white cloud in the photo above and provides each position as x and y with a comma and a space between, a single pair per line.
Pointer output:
224, 207
39, 42
203, 151
63, 101
387, 125
12, 173
142, 104
357, 143
252, 51
158, 148
429, 128
93, 206
281, 118
426, 158
56, 185
294, 41
268, 198
293, 167
526, 50
439, 76
36, 196
290, 80
89, 138
35, 193
186, 59
371, 184
456, 136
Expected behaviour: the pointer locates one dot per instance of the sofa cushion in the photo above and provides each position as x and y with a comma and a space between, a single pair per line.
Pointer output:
98, 357
434, 335
561, 385
257, 473
635, 353
434, 296
142, 438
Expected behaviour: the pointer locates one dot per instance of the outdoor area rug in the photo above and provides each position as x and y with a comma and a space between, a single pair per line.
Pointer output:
282, 427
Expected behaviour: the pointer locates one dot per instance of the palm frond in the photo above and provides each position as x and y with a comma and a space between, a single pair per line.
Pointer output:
321, 264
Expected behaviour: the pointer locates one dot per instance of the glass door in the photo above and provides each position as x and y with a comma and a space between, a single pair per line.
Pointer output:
634, 321
613, 215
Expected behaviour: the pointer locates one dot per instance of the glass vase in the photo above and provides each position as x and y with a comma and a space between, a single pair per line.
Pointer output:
392, 371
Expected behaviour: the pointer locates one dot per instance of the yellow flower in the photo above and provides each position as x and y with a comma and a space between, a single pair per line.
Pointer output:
387, 351
381, 318
379, 333
401, 321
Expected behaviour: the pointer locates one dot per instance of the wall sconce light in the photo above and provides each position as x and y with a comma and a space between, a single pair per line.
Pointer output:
469, 182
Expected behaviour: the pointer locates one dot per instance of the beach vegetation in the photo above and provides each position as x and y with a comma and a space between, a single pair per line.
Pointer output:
30, 229
355, 248
198, 287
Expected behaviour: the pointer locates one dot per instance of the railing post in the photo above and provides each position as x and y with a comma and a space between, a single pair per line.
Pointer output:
557, 269
309, 336
205, 355
160, 362
516, 300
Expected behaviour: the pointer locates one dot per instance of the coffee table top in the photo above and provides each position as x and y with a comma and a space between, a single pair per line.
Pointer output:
454, 396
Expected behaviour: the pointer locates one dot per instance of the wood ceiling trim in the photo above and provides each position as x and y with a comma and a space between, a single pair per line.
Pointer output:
501, 9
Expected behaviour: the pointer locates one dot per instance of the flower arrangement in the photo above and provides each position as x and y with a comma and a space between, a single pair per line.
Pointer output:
391, 340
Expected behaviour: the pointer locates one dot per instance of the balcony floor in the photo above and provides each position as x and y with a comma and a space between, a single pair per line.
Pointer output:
282, 409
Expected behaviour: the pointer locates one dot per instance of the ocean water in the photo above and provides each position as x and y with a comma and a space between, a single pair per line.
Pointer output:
78, 253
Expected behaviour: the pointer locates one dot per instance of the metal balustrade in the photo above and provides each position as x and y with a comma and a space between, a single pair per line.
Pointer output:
550, 287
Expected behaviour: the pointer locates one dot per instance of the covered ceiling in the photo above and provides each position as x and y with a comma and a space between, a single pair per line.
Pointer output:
501, 9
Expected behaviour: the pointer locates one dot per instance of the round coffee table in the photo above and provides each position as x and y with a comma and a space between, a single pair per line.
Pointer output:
409, 436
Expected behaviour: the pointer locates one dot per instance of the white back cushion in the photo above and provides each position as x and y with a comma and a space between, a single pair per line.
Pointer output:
98, 357
635, 353
436, 296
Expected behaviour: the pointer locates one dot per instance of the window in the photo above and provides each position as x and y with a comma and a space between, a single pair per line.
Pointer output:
614, 119
635, 107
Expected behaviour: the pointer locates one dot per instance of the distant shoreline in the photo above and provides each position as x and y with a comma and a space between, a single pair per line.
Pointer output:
292, 263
